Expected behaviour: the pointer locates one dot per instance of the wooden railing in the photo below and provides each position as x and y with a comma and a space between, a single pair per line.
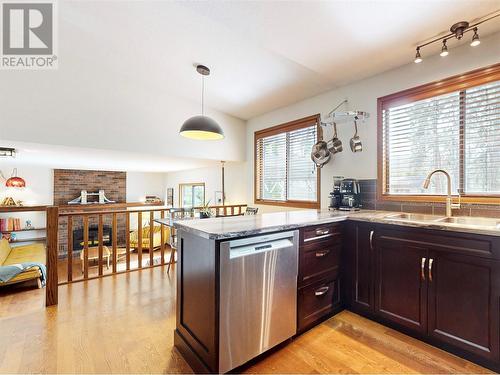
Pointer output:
57, 216
227, 210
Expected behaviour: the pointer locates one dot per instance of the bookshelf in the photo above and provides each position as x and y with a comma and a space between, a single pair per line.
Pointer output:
21, 230
32, 239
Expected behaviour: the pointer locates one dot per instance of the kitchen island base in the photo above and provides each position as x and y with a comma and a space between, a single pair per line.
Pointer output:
440, 286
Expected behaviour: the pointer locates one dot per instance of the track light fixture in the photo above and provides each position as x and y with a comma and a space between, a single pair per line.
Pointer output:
475, 39
457, 31
418, 58
444, 49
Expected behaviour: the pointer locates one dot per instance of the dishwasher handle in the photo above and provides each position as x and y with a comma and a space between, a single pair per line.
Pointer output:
260, 247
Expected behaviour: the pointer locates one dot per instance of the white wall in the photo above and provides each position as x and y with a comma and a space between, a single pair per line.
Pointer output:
140, 184
363, 96
235, 182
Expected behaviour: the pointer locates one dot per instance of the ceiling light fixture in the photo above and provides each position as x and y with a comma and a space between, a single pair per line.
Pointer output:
444, 49
457, 31
7, 151
202, 127
475, 39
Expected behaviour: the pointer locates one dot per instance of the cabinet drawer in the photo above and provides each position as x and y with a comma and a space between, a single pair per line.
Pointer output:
319, 263
321, 232
317, 301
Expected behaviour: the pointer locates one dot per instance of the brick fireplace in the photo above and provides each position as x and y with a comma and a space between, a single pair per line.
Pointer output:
68, 184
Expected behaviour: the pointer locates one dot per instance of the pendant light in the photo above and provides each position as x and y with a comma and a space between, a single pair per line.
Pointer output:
202, 127
14, 181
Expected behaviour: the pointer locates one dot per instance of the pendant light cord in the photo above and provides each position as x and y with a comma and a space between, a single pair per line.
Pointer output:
202, 95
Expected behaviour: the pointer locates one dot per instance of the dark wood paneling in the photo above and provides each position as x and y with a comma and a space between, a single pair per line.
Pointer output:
197, 296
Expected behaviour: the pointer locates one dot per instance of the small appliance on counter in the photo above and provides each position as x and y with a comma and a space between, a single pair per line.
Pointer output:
350, 195
334, 197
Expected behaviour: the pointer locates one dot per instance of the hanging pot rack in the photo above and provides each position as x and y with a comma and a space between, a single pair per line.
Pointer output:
335, 116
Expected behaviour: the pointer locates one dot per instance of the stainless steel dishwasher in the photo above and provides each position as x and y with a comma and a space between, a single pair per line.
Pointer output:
258, 296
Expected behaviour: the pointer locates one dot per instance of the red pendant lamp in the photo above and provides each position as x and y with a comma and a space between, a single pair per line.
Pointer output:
14, 181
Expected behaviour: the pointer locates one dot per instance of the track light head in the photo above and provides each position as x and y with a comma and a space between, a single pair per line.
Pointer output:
418, 58
444, 49
475, 39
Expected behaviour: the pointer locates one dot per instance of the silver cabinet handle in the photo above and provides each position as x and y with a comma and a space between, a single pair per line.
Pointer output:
320, 254
322, 232
321, 291
371, 240
422, 269
430, 268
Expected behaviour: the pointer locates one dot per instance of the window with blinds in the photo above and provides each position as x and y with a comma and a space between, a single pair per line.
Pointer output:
285, 174
457, 130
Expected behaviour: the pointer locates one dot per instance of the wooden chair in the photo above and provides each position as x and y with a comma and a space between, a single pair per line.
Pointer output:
176, 214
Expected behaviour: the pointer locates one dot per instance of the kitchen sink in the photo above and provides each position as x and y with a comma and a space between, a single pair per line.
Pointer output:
474, 221
460, 220
411, 217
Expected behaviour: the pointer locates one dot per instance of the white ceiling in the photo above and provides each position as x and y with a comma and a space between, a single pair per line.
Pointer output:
126, 80
263, 54
97, 159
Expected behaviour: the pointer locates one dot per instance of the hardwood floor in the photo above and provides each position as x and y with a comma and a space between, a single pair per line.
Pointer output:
124, 324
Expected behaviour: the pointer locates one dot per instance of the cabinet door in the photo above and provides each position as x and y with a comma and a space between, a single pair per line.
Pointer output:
401, 286
463, 302
362, 271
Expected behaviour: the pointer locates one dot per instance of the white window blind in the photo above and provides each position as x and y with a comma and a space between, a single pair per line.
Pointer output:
458, 132
482, 139
284, 170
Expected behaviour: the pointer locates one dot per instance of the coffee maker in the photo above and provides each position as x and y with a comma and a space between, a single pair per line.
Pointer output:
334, 197
350, 195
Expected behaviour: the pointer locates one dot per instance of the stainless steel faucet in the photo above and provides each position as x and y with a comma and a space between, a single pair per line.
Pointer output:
449, 204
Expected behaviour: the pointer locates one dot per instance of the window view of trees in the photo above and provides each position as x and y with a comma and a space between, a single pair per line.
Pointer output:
285, 171
192, 195
456, 131
482, 139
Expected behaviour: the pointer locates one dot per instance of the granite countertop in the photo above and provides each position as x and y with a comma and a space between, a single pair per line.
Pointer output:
241, 226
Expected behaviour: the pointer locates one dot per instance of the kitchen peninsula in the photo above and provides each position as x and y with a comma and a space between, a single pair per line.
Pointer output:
246, 284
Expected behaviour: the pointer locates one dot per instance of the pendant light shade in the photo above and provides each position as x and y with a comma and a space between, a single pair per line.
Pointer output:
14, 181
202, 127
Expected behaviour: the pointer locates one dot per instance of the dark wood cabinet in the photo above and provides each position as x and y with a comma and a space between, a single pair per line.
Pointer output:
316, 302
442, 287
400, 284
318, 295
463, 304
359, 274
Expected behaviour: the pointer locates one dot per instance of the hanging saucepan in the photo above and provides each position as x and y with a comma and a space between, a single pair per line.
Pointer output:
356, 145
335, 144
320, 154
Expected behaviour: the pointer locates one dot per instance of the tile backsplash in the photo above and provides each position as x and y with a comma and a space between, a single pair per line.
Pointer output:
369, 201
